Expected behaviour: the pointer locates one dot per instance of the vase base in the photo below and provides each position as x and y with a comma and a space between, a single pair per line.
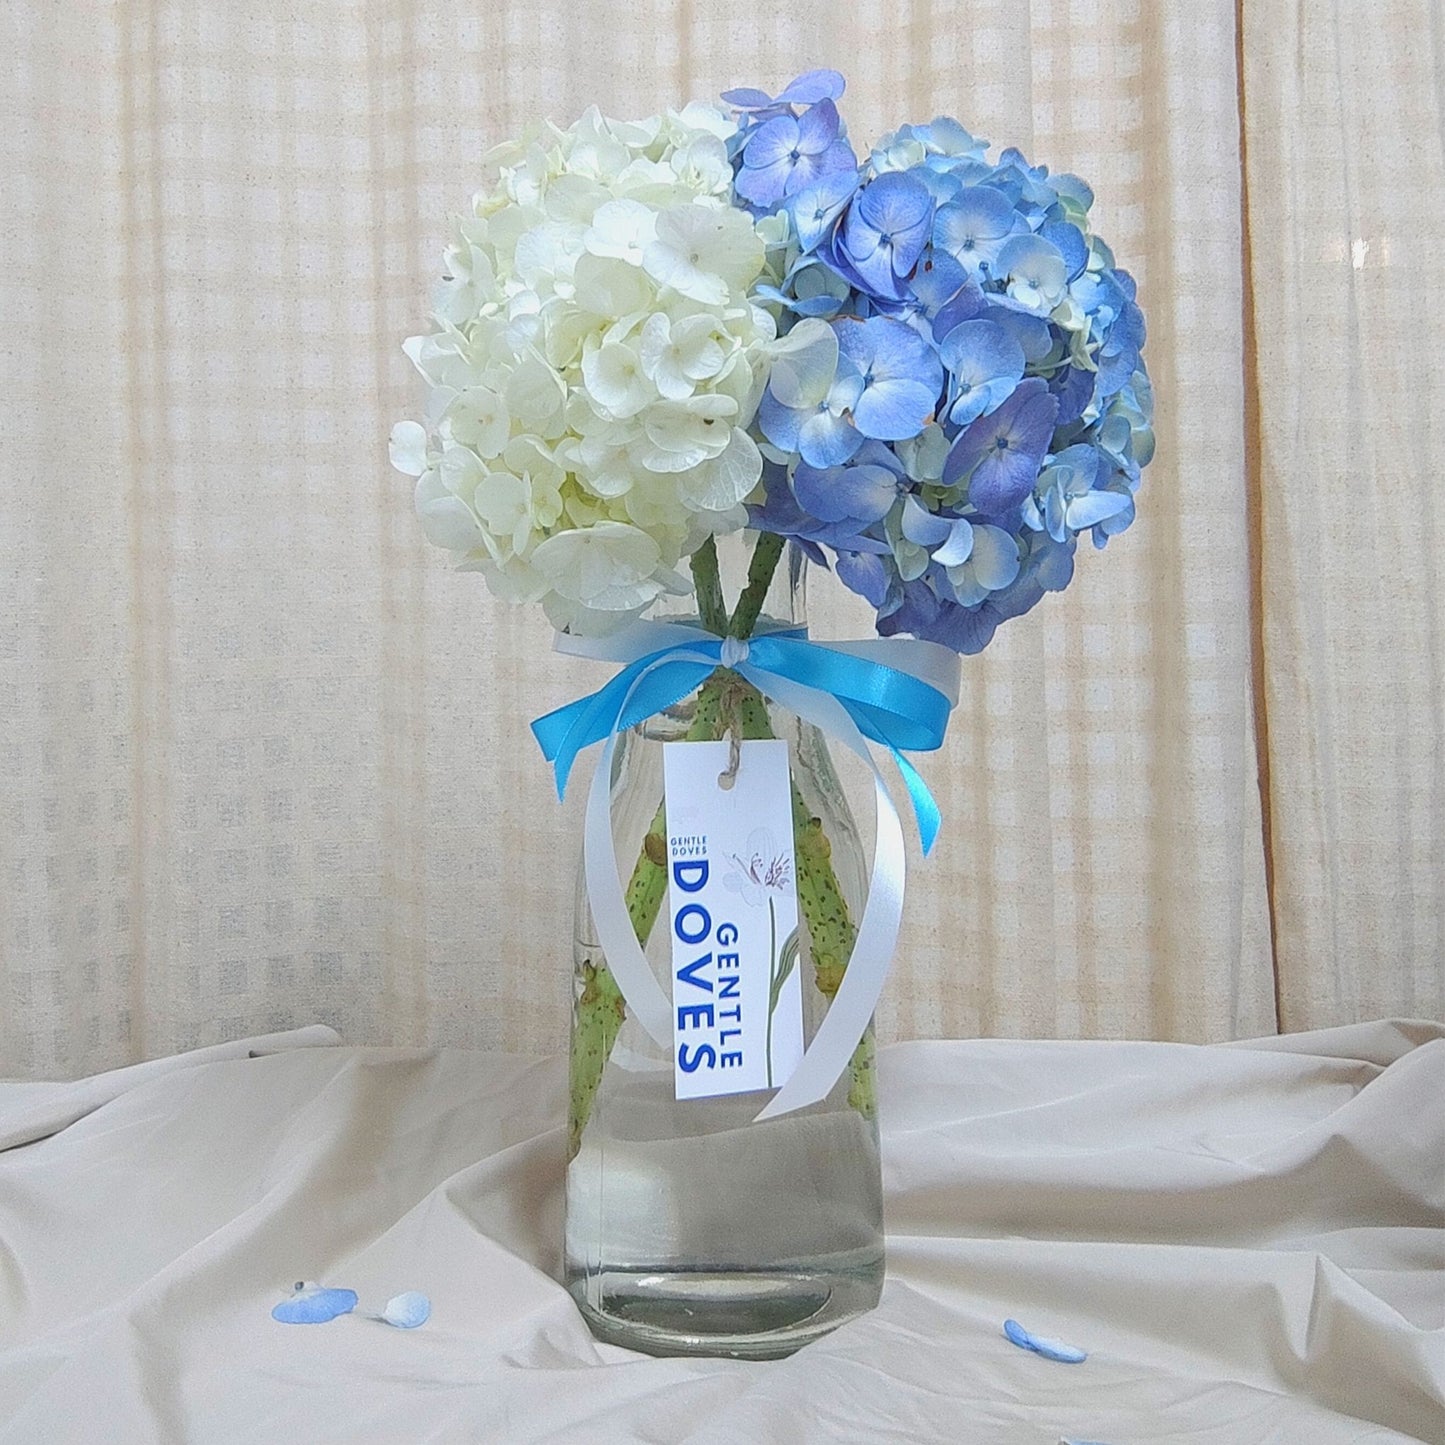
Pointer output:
743, 1315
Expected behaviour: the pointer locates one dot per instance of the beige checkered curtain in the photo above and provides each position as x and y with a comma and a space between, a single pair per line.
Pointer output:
1346, 204
265, 760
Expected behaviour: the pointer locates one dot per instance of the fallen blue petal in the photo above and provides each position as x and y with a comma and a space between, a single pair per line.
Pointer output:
407, 1311
1049, 1349
1058, 1350
314, 1306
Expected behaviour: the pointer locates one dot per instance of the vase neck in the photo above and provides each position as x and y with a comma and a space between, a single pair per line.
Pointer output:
785, 604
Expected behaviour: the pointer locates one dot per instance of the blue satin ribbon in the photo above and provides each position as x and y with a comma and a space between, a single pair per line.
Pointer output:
889, 706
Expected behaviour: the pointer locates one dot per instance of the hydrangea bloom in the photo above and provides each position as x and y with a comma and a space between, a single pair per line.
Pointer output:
594, 366
925, 367
949, 475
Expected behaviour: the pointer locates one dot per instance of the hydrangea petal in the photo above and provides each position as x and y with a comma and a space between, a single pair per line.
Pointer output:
314, 1306
620, 229
1052, 566
985, 363
1001, 453
701, 251
1034, 271
923, 456
616, 380
407, 448
805, 362
724, 480
922, 527
964, 586
816, 207
901, 377
1083, 512
1074, 388
446, 521
813, 86
995, 559
865, 574
1070, 243
608, 566
937, 280
875, 277
1121, 521
1002, 480
982, 350
408, 1310
887, 228
771, 142
1054, 523
810, 169
781, 425
894, 410
1049, 1349
967, 630
973, 225
1031, 332
605, 286
478, 418
834, 494
895, 204
746, 98
819, 306
817, 128
959, 547
826, 440
967, 304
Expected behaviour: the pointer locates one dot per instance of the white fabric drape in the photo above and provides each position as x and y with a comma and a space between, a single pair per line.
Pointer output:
1244, 1238
265, 759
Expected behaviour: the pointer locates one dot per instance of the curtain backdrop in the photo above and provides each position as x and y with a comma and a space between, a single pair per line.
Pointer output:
265, 759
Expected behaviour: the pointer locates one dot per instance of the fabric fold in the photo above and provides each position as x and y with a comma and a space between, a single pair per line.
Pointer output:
1178, 1211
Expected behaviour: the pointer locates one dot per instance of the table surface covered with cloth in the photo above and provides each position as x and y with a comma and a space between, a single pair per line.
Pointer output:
1247, 1239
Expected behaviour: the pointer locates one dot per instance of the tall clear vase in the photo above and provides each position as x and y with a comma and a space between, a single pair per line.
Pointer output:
690, 1228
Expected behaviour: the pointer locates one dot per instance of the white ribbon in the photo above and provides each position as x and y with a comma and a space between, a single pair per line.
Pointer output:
853, 1005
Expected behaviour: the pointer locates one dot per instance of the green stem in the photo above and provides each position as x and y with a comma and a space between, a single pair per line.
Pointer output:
711, 609
723, 698
760, 577
831, 930
772, 981
599, 1005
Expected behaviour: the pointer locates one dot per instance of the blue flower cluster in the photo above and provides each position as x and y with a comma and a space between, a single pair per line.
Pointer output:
959, 393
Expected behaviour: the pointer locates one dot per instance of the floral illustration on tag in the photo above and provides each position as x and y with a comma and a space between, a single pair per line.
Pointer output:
762, 876
766, 870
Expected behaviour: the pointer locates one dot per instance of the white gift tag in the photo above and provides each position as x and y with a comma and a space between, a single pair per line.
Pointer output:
737, 999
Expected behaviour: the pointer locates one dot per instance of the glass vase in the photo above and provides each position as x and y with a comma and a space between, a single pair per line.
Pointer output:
690, 1228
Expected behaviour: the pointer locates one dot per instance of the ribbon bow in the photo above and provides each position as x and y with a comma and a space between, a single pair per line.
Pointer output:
849, 692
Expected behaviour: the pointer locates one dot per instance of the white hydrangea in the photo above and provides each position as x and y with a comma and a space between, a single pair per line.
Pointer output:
594, 366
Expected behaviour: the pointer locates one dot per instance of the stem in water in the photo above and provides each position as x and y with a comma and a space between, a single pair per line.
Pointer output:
772, 978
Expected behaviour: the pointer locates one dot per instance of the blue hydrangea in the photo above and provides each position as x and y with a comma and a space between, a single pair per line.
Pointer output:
962, 393
785, 155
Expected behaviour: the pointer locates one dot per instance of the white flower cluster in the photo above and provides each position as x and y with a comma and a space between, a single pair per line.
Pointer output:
594, 366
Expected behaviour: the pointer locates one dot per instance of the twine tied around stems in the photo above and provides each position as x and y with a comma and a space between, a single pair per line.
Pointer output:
732, 654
